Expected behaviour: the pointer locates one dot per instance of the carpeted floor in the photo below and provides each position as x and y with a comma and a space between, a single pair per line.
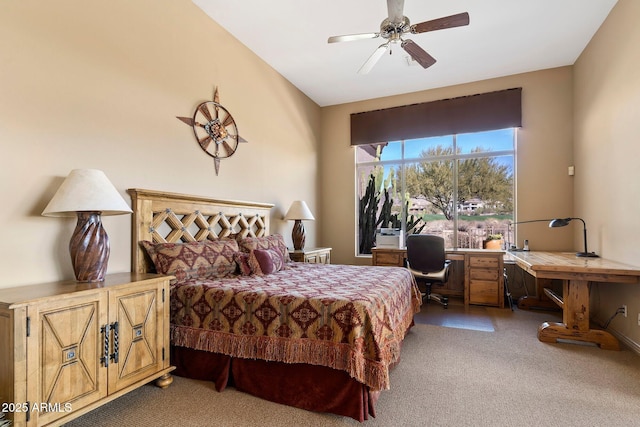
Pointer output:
448, 376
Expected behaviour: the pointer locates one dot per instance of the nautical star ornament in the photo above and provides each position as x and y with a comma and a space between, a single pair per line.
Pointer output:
215, 130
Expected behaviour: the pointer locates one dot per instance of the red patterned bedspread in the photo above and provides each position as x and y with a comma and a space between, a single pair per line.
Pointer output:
351, 318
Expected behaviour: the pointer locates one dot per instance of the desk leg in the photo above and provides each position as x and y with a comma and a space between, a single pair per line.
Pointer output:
540, 301
575, 319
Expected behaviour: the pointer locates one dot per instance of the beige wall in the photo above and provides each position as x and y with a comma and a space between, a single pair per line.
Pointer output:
607, 150
544, 151
94, 84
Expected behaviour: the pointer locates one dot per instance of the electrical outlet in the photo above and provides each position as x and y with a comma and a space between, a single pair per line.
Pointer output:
624, 311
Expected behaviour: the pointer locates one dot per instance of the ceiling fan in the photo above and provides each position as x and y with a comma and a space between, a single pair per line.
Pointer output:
395, 26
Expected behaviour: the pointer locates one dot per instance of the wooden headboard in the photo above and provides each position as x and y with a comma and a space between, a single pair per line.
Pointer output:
161, 217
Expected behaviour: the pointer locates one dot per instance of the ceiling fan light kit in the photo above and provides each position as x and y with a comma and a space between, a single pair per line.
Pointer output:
395, 26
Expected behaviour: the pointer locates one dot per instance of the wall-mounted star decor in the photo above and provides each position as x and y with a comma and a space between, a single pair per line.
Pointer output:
215, 130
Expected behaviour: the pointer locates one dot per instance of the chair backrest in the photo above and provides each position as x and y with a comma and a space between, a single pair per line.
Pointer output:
425, 252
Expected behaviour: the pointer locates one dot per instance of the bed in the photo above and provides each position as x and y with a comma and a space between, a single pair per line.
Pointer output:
314, 336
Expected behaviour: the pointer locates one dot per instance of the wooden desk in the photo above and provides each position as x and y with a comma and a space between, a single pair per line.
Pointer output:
540, 299
577, 274
483, 272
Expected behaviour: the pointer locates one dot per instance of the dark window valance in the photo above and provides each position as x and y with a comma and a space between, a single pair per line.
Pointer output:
474, 113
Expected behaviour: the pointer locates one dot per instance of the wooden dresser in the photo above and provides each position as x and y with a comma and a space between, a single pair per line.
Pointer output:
312, 255
68, 347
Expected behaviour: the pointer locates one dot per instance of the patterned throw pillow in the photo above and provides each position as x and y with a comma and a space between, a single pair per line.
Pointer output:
265, 261
242, 259
275, 241
210, 258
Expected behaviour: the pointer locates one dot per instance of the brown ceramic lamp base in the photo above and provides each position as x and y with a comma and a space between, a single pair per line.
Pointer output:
89, 248
298, 235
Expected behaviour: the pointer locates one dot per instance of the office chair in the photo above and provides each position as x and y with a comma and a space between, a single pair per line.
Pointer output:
426, 261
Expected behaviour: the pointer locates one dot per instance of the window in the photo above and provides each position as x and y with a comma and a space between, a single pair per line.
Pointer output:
458, 186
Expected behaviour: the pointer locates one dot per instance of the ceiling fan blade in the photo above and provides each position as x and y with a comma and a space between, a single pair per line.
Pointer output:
351, 37
452, 21
418, 54
396, 10
367, 66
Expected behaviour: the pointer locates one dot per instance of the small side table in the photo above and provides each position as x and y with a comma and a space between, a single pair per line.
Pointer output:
312, 255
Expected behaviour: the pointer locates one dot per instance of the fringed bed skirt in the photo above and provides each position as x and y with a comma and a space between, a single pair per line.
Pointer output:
311, 387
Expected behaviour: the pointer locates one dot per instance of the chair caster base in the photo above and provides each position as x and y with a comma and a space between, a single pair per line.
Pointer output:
438, 298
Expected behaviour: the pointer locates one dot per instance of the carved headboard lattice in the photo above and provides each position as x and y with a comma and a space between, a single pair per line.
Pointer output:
162, 217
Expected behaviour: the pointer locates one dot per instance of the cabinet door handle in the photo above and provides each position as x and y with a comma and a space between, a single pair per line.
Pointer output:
105, 358
114, 355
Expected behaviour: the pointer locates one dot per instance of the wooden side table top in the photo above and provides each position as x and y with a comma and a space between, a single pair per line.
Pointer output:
307, 251
313, 255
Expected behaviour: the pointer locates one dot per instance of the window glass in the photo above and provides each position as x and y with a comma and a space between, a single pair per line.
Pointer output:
415, 147
460, 187
485, 200
495, 140
380, 204
429, 185
369, 153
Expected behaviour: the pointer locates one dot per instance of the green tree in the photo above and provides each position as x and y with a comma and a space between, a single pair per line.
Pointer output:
487, 179
433, 179
483, 178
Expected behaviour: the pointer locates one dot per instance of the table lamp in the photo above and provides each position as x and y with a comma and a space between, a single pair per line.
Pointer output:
299, 211
87, 194
561, 222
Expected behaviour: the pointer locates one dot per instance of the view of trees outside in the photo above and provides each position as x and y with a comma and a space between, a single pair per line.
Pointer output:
459, 186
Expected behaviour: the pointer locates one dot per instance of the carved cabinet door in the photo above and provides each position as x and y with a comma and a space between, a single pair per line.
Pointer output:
65, 351
136, 316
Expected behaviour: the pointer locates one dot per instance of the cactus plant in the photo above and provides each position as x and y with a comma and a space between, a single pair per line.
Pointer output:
367, 219
369, 203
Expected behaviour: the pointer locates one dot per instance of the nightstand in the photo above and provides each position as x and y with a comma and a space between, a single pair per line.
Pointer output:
312, 255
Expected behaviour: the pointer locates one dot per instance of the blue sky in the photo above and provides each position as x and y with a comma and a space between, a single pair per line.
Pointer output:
497, 140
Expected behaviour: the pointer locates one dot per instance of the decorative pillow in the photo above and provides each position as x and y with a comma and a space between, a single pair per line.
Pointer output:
234, 236
210, 258
265, 261
242, 259
275, 241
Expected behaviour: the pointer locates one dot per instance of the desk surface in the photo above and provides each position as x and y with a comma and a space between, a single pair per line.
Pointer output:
576, 273
550, 264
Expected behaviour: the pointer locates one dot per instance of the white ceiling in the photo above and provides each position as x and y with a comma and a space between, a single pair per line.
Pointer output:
504, 37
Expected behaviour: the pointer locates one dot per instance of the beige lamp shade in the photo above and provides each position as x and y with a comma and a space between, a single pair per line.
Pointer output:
86, 190
299, 210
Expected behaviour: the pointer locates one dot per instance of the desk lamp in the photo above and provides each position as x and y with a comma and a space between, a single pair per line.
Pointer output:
561, 222
298, 211
522, 222
87, 194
